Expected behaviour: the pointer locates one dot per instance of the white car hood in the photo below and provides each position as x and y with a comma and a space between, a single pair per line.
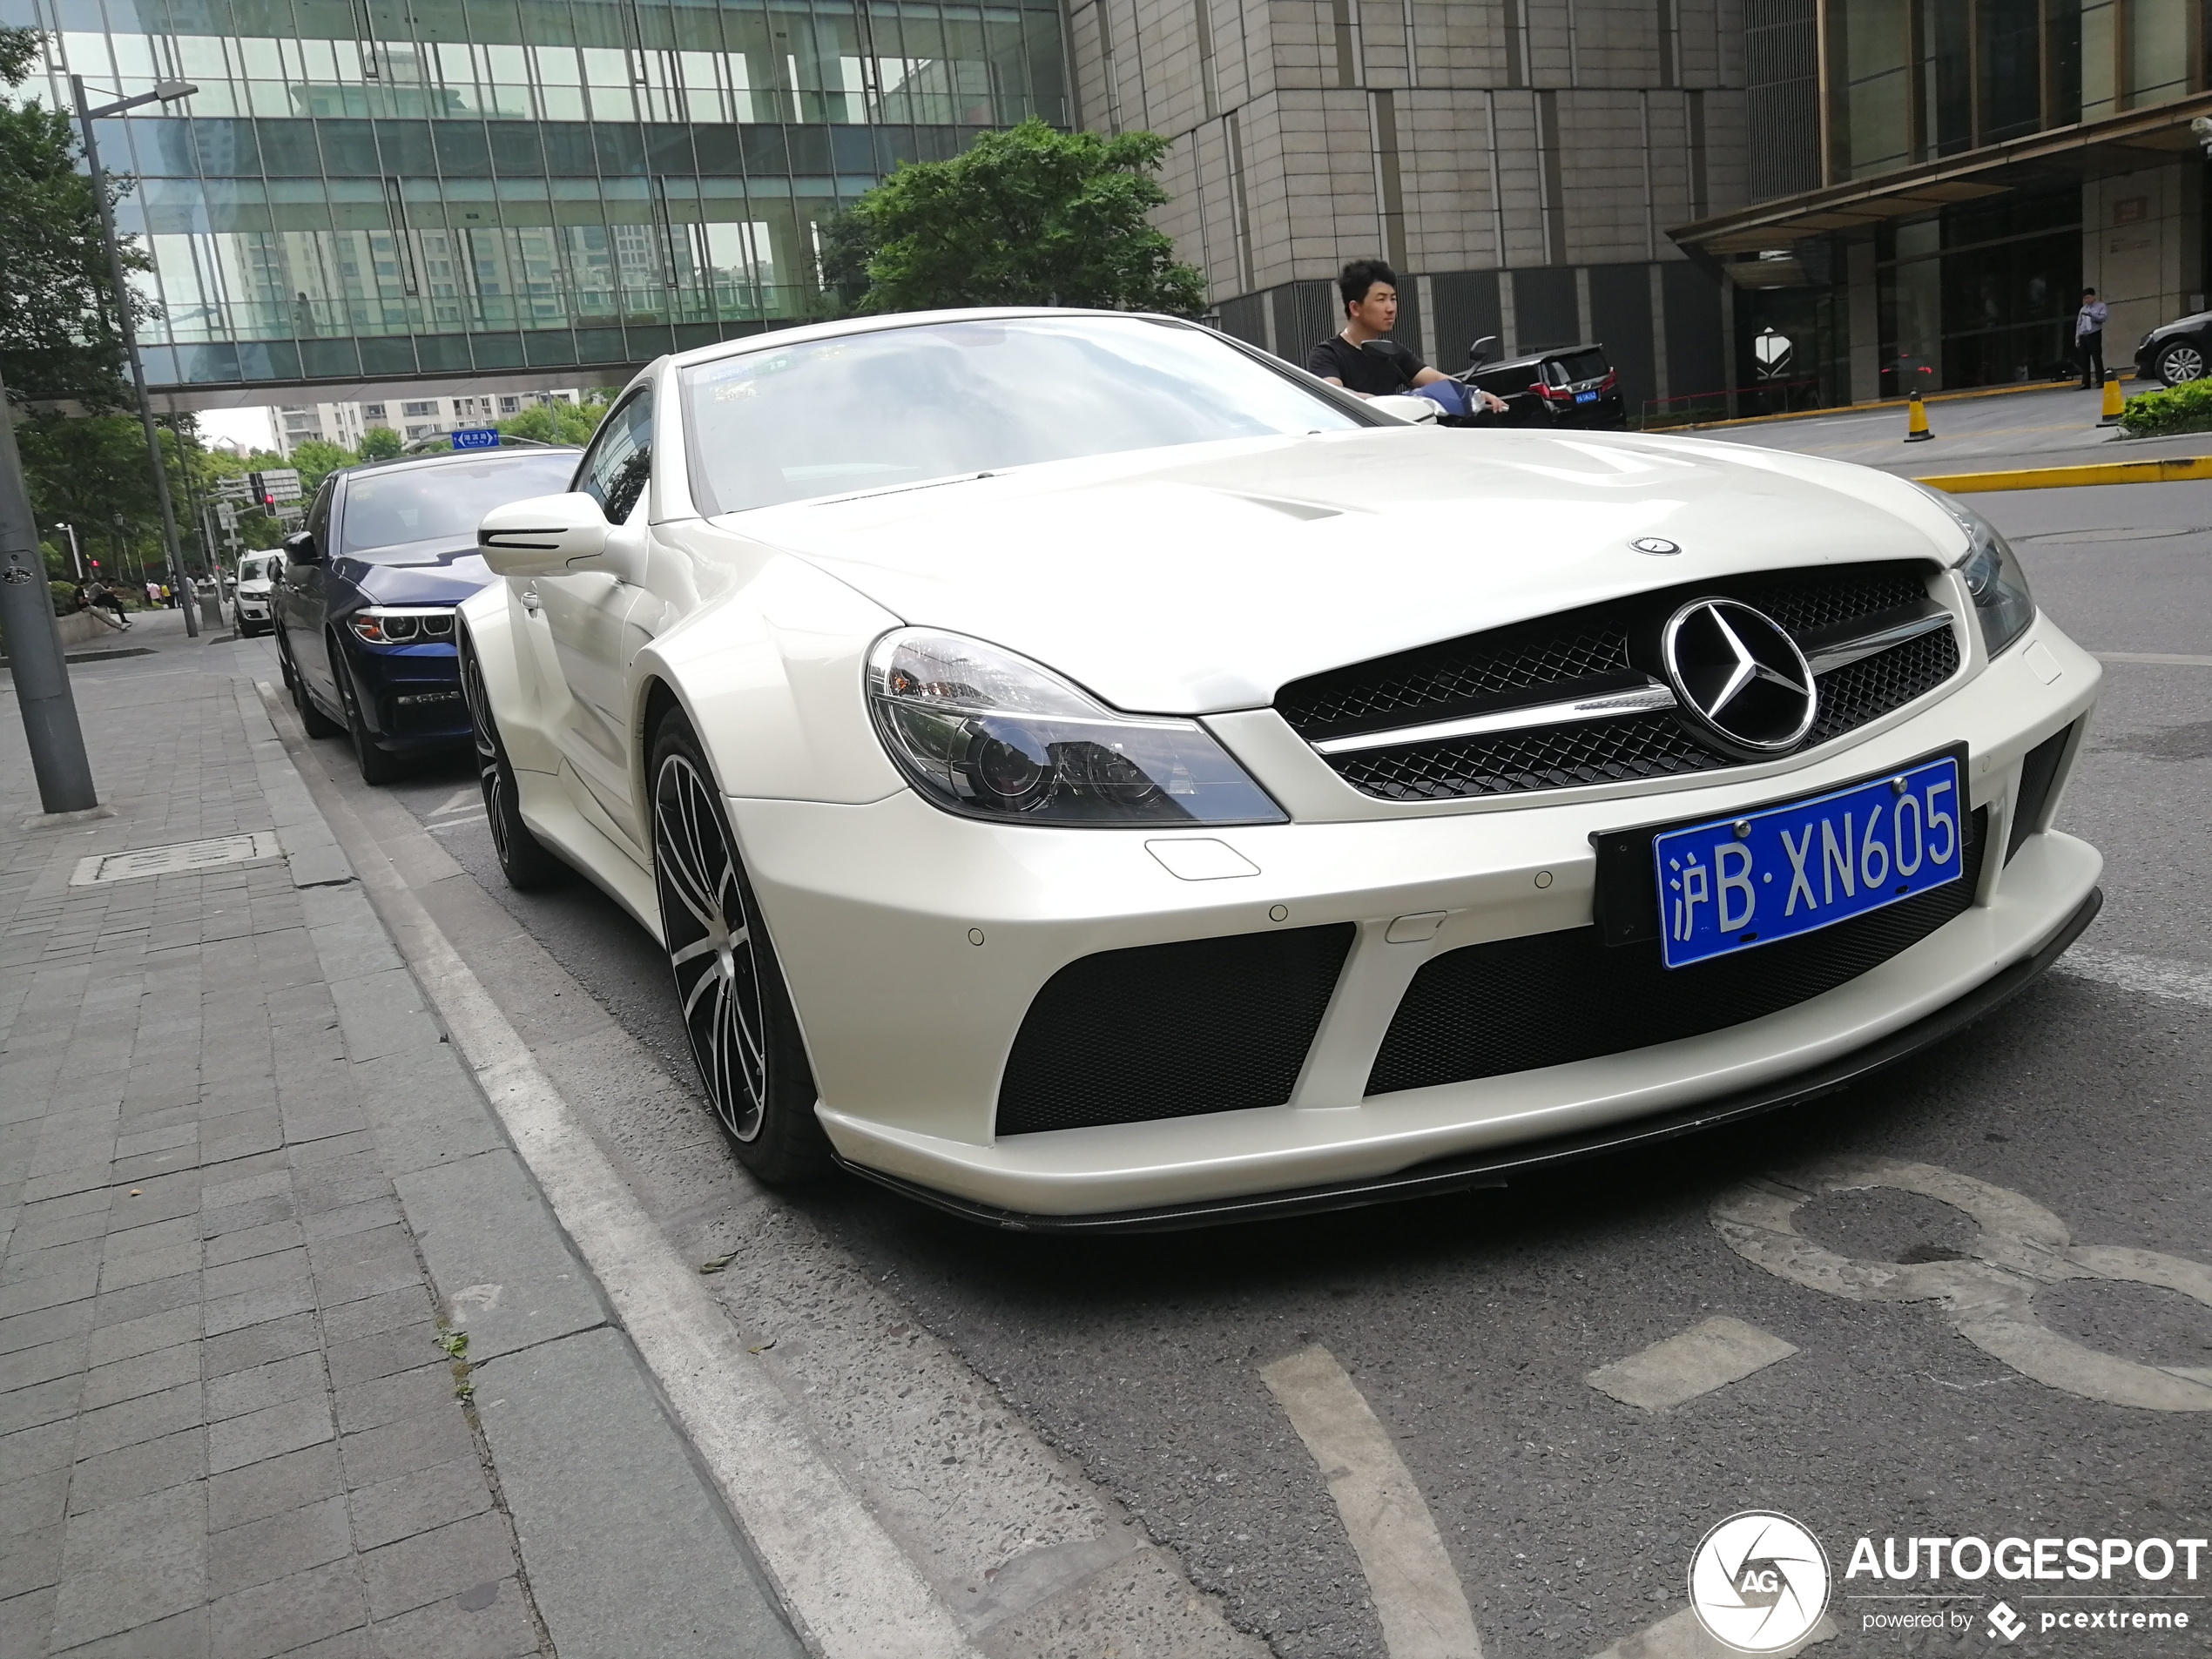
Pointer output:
1201, 579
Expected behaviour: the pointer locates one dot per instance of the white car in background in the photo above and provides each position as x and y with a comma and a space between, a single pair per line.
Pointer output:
1086, 774
258, 574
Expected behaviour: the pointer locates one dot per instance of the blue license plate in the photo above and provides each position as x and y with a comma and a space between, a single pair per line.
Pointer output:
1748, 881
1585, 397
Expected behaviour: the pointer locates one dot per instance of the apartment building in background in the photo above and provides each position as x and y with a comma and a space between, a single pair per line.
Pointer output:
413, 412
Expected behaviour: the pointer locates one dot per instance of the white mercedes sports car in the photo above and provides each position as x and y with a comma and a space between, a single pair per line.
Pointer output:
1087, 773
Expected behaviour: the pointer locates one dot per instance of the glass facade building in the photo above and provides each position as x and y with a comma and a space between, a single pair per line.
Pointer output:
425, 189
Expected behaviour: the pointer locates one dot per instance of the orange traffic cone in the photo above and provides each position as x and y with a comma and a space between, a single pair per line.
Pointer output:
1916, 430
2113, 401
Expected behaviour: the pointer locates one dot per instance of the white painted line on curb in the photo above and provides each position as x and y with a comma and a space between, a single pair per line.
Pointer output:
2150, 975
1417, 1593
846, 1585
2153, 657
1711, 1354
1679, 1636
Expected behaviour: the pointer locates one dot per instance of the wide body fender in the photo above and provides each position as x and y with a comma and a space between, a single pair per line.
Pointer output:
493, 615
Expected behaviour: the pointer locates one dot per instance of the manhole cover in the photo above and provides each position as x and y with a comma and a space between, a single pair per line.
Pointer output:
181, 858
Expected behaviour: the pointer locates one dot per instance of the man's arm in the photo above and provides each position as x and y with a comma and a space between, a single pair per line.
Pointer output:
1476, 395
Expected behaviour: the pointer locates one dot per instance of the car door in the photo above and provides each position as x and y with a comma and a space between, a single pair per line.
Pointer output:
587, 614
303, 600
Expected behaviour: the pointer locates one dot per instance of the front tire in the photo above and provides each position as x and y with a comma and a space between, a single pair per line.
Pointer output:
730, 990
523, 860
379, 766
2181, 363
311, 719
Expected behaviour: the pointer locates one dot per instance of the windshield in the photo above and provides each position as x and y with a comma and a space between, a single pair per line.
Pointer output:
386, 512
861, 411
254, 569
1569, 367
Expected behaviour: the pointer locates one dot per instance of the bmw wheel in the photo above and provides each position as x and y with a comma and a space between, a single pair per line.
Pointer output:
2181, 363
729, 988
523, 860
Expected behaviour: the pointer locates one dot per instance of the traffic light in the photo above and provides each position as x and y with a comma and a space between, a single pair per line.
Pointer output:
261, 487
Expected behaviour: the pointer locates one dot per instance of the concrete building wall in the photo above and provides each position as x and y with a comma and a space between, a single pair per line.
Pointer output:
1450, 137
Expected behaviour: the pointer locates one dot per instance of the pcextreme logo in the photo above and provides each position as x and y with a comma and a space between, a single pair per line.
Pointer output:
1759, 1582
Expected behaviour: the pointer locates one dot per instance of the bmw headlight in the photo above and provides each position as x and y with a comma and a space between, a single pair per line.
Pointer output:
984, 732
2003, 605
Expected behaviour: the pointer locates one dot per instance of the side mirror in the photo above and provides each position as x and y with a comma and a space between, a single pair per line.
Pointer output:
300, 545
1483, 350
543, 535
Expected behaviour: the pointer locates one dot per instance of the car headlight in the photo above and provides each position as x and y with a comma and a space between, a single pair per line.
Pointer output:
2003, 606
402, 625
988, 734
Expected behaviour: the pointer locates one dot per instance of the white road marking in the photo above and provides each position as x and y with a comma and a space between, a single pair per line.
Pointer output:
2150, 975
458, 823
846, 1585
1710, 1354
1679, 1636
1990, 1293
1416, 1593
459, 799
2178, 661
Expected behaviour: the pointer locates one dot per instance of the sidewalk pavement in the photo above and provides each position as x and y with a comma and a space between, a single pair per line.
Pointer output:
250, 1204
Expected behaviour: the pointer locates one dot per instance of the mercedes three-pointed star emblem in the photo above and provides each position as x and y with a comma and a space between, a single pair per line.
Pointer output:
1739, 677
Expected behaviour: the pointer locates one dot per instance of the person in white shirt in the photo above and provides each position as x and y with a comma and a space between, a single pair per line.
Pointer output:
2089, 339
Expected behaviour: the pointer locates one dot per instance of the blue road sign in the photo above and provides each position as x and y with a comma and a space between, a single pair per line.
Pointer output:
476, 437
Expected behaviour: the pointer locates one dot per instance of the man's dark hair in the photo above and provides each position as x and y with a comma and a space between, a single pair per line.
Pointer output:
2085, 292
1361, 275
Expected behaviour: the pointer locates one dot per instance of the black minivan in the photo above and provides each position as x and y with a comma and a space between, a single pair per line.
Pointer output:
1568, 385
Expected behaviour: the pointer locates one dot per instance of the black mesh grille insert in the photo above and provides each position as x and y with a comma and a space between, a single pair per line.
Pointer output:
1209, 1025
1547, 999
1586, 651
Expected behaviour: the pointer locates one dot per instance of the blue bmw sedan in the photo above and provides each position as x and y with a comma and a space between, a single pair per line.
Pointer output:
364, 615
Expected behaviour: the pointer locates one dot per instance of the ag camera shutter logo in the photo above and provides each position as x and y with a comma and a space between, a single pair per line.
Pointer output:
1759, 1582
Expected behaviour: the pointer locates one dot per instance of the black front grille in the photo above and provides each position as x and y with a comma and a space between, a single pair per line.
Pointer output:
1208, 1025
1595, 649
2039, 771
1549, 999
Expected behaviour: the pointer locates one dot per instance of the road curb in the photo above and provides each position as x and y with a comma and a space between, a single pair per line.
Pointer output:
2175, 470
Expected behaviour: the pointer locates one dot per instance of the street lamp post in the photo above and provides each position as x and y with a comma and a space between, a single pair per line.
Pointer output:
75, 553
165, 93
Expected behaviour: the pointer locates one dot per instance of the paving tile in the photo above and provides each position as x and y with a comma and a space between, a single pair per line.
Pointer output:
486, 1621
431, 1565
237, 1393
419, 1502
151, 1466
44, 1402
130, 1337
24, 1621
386, 1400
136, 1301
47, 1325
240, 1557
258, 1307
289, 1613
390, 1311
41, 1499
146, 1373
130, 1563
33, 1451
182, 1636
268, 1433
274, 1485
261, 1272
41, 1363
383, 1353
124, 1273
147, 1418
253, 1241
412, 1443
31, 1560
258, 1345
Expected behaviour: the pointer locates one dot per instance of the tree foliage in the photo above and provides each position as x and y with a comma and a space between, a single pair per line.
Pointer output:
1029, 216
557, 422
58, 333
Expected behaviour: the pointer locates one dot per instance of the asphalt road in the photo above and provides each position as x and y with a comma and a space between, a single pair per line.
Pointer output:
1470, 1324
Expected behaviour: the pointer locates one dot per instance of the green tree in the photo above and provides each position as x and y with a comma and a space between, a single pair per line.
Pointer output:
557, 422
58, 333
1027, 216
314, 459
380, 443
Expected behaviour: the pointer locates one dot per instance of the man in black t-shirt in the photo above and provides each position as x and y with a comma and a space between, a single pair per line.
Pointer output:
1385, 369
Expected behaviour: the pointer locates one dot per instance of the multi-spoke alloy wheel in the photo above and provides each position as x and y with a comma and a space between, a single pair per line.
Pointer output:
523, 860
728, 986
2181, 363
